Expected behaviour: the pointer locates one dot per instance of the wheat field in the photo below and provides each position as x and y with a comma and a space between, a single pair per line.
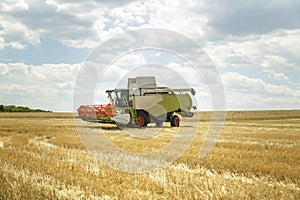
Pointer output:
257, 156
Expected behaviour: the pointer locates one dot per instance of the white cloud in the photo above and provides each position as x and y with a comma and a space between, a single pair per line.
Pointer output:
69, 23
130, 14
255, 93
16, 34
107, 34
87, 23
21, 73
242, 84
115, 72
272, 55
275, 75
3, 69
16, 45
21, 90
2, 43
252, 17
95, 21
258, 40
131, 59
13, 5
48, 86
171, 15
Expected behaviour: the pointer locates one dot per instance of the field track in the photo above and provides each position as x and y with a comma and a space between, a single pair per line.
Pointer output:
256, 157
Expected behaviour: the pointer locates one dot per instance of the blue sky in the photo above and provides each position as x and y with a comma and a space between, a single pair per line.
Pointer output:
255, 46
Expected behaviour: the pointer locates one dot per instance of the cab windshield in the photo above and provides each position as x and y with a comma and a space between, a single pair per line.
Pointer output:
120, 98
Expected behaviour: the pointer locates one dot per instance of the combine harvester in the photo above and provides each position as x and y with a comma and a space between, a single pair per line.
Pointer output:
140, 104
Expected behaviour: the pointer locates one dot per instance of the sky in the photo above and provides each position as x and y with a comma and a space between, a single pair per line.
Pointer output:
254, 46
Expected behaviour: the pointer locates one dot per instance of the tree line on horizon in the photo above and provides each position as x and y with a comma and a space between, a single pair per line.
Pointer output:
13, 108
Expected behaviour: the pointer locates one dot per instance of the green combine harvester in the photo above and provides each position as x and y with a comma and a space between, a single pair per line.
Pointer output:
142, 103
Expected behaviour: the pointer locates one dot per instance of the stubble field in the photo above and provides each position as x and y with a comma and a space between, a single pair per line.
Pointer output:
257, 156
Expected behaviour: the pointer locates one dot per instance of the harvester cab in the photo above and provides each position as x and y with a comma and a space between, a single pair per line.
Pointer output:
142, 103
119, 97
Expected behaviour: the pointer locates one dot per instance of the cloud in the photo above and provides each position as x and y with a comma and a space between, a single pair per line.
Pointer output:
85, 24
116, 70
236, 81
48, 86
275, 75
254, 45
13, 5
80, 24
2, 43
265, 49
272, 57
16, 34
253, 93
3, 69
252, 17
70, 23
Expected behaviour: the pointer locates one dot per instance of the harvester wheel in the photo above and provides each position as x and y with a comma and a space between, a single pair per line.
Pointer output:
142, 119
175, 121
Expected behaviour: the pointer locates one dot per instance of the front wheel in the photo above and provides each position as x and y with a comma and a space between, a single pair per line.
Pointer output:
175, 121
142, 119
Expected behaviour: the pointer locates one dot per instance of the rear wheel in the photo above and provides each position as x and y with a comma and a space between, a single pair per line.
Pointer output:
142, 119
175, 121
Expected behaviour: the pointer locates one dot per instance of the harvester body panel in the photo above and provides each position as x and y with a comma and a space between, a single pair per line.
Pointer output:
160, 104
